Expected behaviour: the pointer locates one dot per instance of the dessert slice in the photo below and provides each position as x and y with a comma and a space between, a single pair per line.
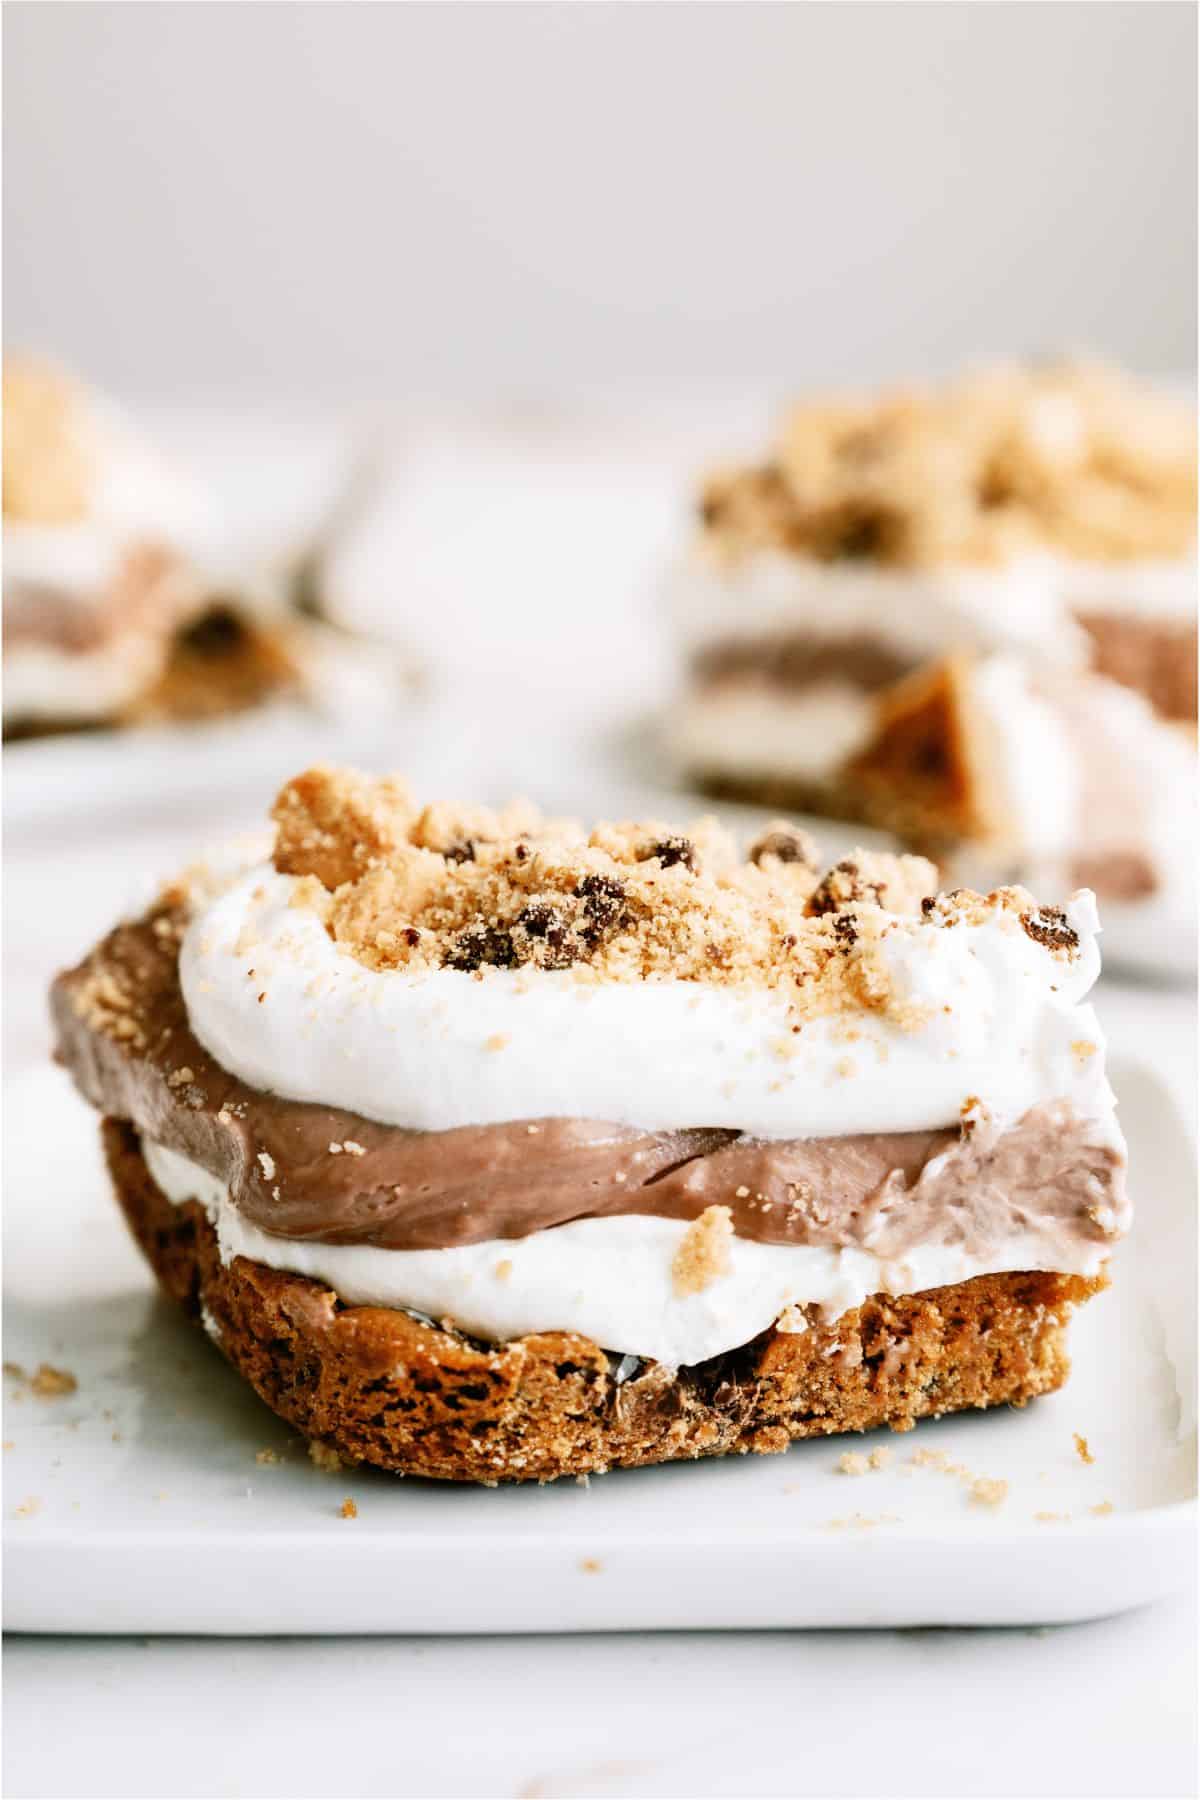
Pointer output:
114, 613
488, 1148
1039, 521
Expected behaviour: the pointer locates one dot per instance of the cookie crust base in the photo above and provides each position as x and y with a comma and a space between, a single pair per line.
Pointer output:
379, 1386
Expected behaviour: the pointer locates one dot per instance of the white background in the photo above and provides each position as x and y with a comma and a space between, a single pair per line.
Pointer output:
369, 203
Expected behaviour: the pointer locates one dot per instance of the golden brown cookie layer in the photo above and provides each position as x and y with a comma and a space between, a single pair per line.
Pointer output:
379, 1386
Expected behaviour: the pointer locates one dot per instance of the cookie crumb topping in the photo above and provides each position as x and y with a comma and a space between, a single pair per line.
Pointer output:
394, 888
1076, 458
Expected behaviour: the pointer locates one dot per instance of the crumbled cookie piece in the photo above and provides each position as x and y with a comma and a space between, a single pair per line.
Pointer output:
703, 1255
336, 824
1082, 1448
349, 1510
852, 1462
985, 1491
49, 1383
1069, 457
51, 451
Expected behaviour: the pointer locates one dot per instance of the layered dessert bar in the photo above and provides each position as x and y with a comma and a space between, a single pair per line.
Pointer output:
489, 1148
965, 614
118, 609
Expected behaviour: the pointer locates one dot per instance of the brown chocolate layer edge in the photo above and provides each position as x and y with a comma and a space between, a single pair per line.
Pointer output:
306, 1172
380, 1387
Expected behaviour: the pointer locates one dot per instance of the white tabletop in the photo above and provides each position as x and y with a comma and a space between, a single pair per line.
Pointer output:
1102, 1709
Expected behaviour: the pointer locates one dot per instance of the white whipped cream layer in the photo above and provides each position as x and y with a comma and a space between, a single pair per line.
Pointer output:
1149, 590
609, 1279
990, 1014
1024, 606
1064, 803
918, 613
755, 731
43, 682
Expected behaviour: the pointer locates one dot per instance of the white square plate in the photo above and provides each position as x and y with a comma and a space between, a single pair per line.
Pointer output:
137, 1503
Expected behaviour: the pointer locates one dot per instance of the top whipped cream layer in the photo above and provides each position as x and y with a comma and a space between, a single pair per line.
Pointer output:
522, 972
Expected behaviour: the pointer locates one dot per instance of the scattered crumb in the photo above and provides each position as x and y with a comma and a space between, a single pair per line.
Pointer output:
349, 1510
1082, 1450
497, 1041
47, 1382
1051, 1518
852, 1462
28, 1507
591, 1565
50, 1383
353, 1149
879, 1459
503, 1269
325, 1457
267, 1456
861, 1522
704, 1251
267, 1164
1102, 1510
988, 1492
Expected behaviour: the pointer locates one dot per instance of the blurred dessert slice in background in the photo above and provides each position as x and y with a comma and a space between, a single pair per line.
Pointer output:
122, 603
966, 615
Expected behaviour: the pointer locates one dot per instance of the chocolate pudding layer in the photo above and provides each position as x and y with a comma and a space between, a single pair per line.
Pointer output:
307, 1172
1156, 657
791, 660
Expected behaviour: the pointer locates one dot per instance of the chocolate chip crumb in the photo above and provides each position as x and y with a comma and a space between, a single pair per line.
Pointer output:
786, 844
1049, 926
541, 934
460, 852
842, 886
603, 898
672, 850
481, 946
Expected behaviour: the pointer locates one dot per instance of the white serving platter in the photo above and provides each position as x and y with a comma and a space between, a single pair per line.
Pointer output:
137, 1503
